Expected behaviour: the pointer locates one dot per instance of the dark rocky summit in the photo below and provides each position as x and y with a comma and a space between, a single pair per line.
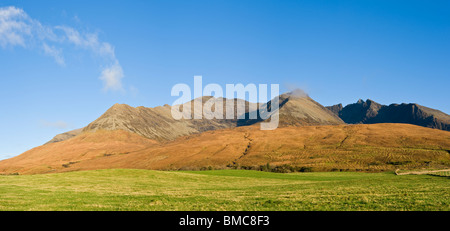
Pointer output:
370, 112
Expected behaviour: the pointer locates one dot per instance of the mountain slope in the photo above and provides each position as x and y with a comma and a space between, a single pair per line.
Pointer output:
158, 124
335, 108
370, 112
65, 136
375, 147
298, 109
302, 110
53, 157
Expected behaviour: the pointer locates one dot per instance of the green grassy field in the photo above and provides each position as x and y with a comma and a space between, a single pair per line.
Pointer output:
223, 190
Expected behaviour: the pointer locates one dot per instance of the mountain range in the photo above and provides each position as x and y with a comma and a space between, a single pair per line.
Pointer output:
157, 123
371, 112
365, 136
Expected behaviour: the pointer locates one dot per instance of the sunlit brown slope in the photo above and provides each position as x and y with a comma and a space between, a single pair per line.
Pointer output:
375, 147
55, 157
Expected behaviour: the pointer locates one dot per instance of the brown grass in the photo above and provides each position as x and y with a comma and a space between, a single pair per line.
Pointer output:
375, 147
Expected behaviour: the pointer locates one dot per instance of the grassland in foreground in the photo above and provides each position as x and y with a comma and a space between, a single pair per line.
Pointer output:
122, 189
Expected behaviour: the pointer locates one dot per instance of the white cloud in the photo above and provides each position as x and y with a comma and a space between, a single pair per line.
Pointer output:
14, 26
55, 53
18, 29
107, 50
75, 37
88, 41
111, 77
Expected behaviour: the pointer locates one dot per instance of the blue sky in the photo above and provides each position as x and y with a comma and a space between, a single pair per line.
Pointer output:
64, 63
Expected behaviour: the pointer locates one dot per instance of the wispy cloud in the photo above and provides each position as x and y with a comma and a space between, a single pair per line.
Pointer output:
17, 28
14, 26
112, 76
55, 53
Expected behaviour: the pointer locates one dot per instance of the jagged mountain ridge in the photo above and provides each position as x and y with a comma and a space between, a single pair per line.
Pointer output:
157, 123
298, 109
370, 112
